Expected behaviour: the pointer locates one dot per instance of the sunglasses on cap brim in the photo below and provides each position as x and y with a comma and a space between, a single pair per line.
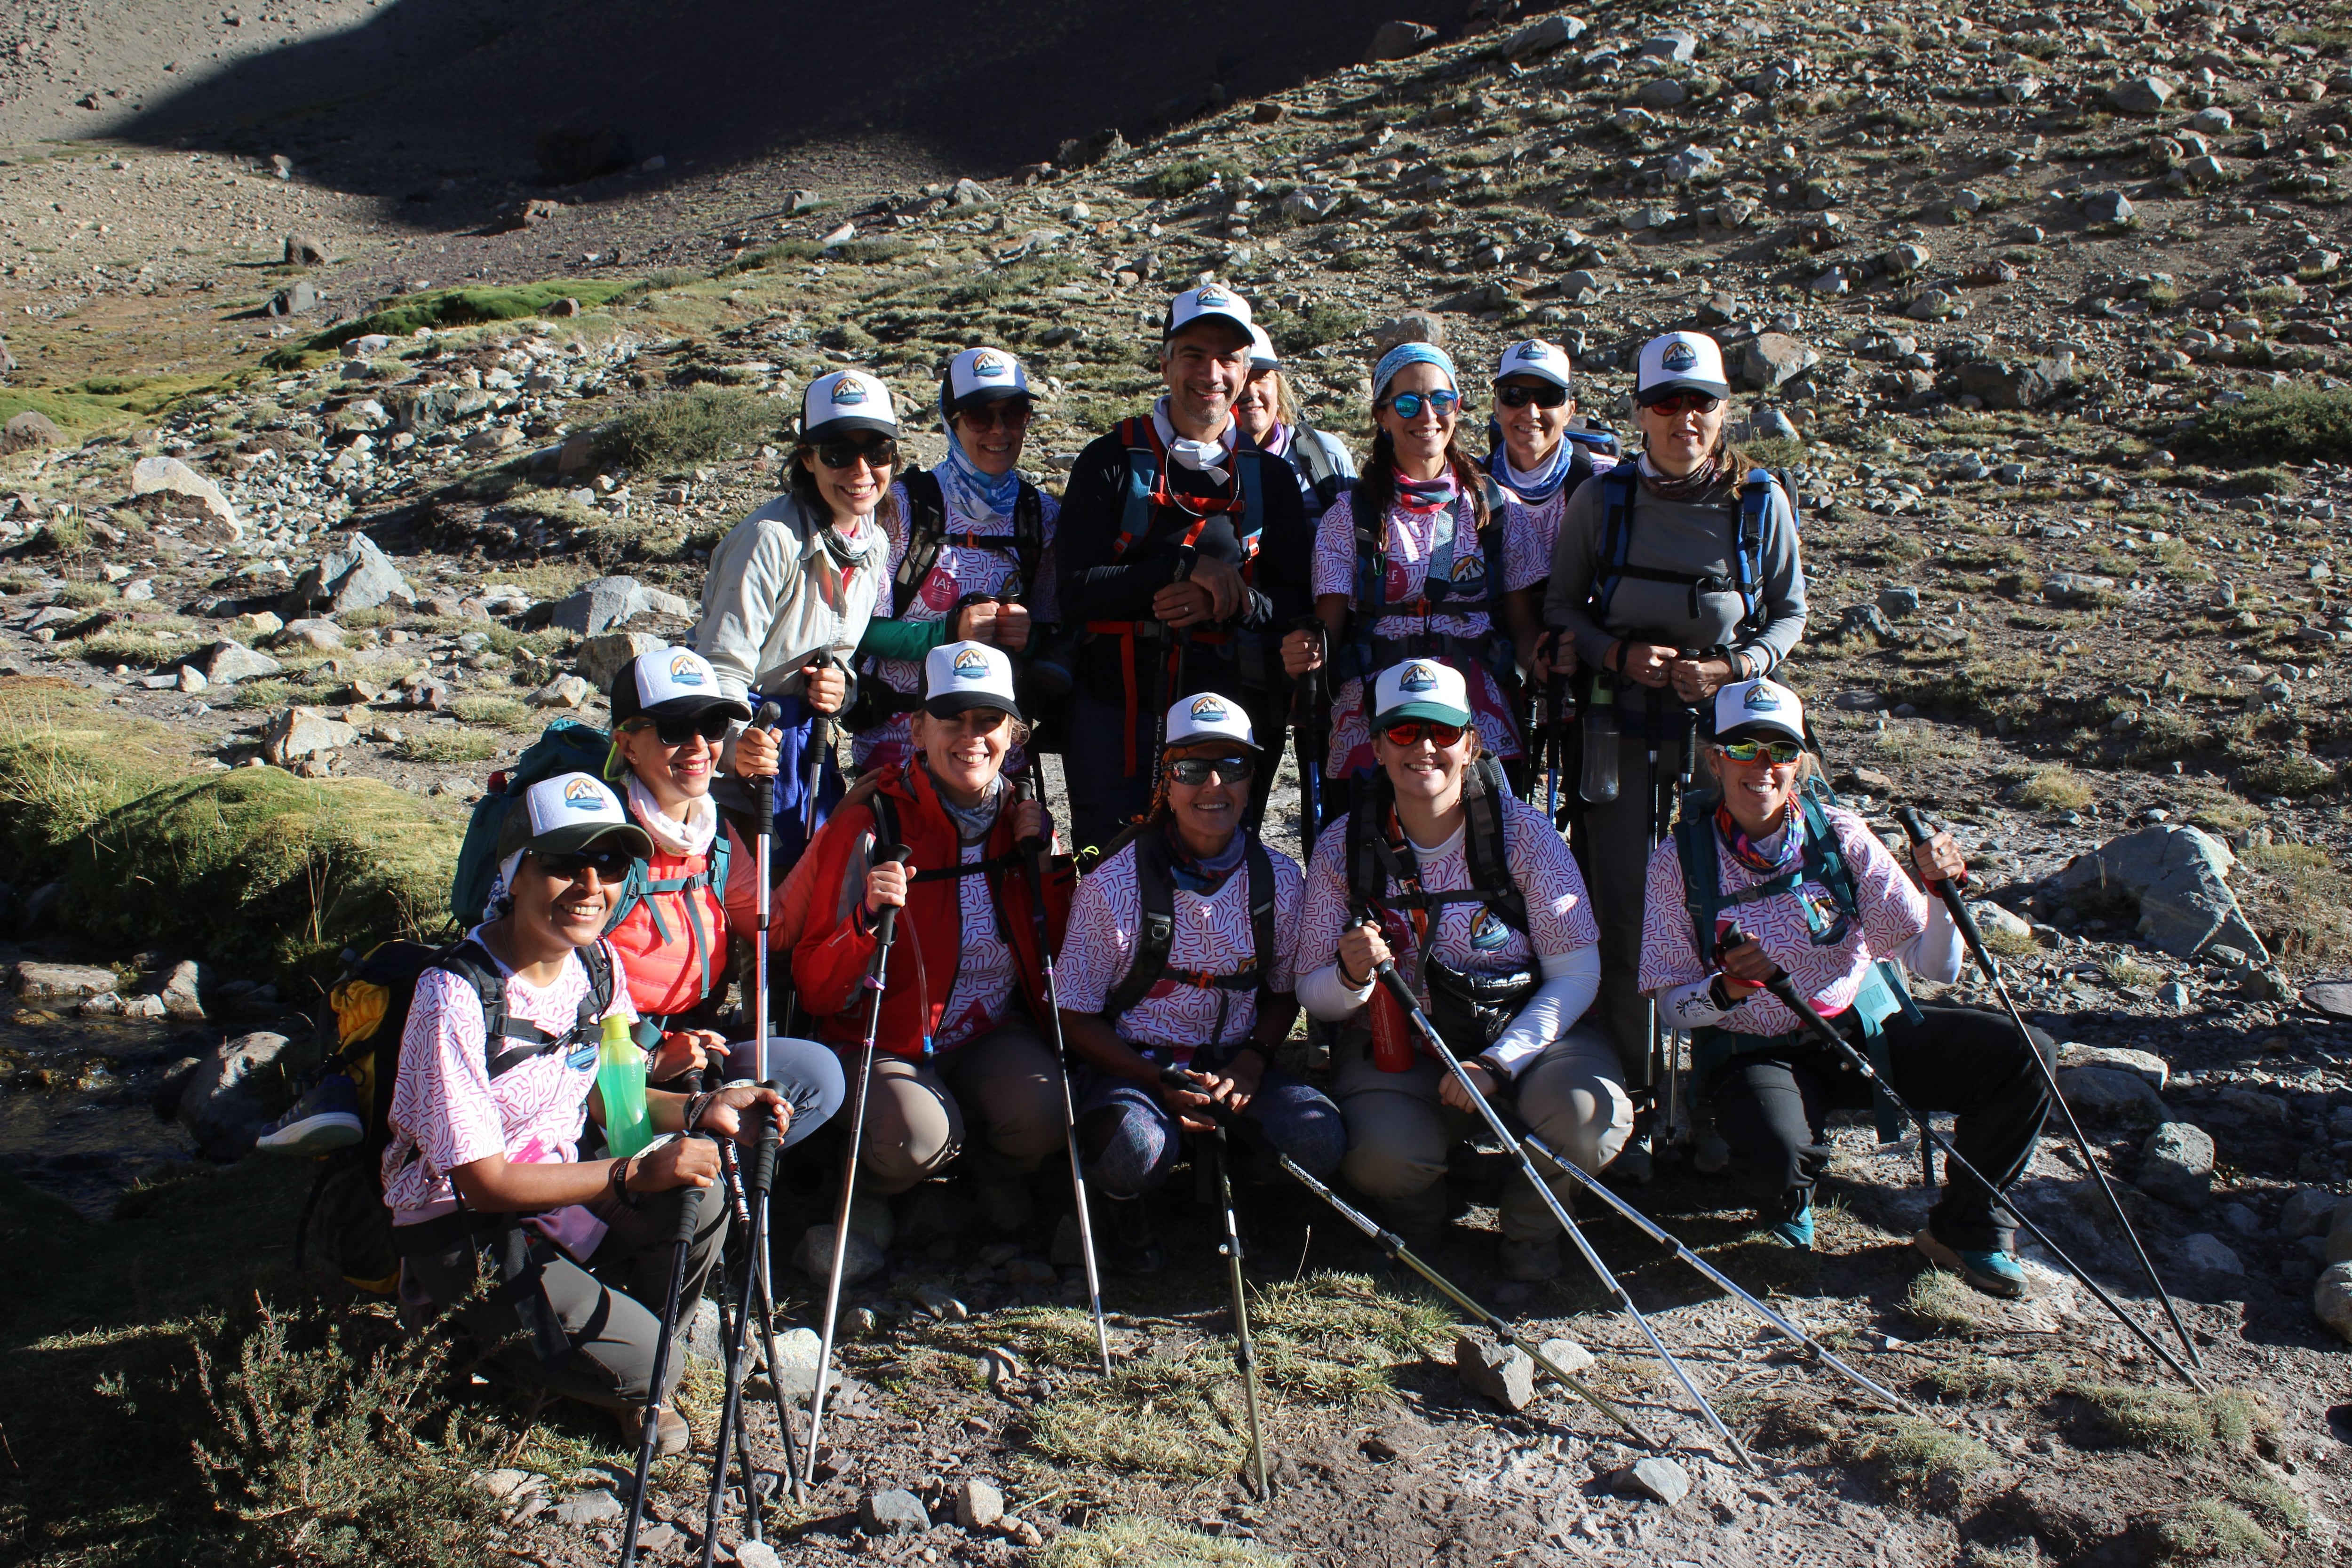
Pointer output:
1544, 396
843, 451
1194, 772
677, 729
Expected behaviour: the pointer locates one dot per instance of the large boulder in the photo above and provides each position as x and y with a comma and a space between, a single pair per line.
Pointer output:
30, 429
600, 606
603, 658
2017, 384
359, 576
2331, 1297
2176, 1164
171, 477
1396, 40
1769, 359
301, 733
43, 983
237, 1089
1539, 38
225, 663
2141, 94
2176, 877
2106, 1094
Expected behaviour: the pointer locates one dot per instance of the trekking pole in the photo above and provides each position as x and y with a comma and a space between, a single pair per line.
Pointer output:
1032, 855
886, 932
820, 740
1949, 891
734, 1341
1245, 1349
1170, 665
1393, 983
1560, 711
763, 1176
656, 1393
1659, 1234
763, 834
1306, 712
1393, 1245
1784, 991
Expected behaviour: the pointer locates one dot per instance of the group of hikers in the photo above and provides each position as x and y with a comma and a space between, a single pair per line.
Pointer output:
1559, 810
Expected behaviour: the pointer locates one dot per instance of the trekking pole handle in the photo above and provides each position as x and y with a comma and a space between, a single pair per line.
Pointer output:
1025, 788
763, 1149
690, 1210
1949, 889
885, 925
1916, 826
769, 716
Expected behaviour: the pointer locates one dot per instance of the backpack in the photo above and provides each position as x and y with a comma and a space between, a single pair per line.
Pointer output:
1600, 440
566, 746
1749, 520
926, 531
1471, 1009
1312, 456
1361, 657
1146, 487
359, 1028
1158, 934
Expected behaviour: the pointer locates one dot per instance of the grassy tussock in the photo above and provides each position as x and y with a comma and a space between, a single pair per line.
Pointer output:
2163, 1420
2208, 1531
1153, 1543
1942, 1304
67, 759
2285, 425
1914, 1458
700, 425
2055, 788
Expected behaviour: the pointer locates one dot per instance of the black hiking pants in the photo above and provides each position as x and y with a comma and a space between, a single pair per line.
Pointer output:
1770, 1104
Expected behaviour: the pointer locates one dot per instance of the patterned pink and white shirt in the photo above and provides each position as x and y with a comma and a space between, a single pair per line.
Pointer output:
1415, 538
1526, 548
448, 1111
1212, 936
957, 570
985, 972
1470, 938
1893, 913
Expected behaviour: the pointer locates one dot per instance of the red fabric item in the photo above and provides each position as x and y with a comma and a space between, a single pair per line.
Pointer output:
836, 945
666, 978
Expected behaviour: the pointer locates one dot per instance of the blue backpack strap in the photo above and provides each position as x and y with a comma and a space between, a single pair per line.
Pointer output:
1702, 879
1825, 857
1747, 546
1372, 587
1142, 444
1616, 538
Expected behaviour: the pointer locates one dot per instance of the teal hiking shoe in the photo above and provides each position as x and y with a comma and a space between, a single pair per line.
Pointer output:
1796, 1234
1994, 1273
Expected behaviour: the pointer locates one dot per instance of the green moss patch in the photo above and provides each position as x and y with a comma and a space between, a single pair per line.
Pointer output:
401, 316
2282, 424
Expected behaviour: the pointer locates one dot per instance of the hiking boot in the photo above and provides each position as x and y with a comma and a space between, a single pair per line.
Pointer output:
1635, 1162
1531, 1262
1994, 1273
1005, 1204
1133, 1245
671, 1436
1797, 1233
322, 1122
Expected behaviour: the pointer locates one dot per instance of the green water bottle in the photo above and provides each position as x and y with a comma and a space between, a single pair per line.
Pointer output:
621, 1079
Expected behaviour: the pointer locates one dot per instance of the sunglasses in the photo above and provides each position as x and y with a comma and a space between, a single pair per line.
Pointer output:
1780, 753
1682, 402
842, 453
975, 721
611, 864
1407, 405
1193, 772
710, 726
1410, 732
1545, 397
1007, 416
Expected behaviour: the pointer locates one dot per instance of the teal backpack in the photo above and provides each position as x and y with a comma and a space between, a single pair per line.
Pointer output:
567, 746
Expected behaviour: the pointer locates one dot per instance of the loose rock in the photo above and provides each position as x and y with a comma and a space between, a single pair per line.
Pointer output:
1504, 1373
40, 982
978, 1504
893, 1512
236, 1090
2331, 1297
2177, 1164
813, 1256
1655, 1477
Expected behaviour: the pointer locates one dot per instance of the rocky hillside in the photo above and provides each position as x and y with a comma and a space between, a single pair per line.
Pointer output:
2041, 311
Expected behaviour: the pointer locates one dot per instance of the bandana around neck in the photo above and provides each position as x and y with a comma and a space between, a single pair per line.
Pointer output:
1428, 495
1202, 875
1200, 456
671, 835
1535, 486
970, 492
1697, 482
1778, 860
973, 823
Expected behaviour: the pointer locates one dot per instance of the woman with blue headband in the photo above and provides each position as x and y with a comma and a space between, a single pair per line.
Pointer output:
1415, 564
970, 555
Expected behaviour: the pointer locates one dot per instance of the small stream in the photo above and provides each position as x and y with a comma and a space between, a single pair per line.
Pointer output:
77, 1104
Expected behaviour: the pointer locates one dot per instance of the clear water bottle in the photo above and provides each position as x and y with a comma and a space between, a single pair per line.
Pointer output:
1598, 784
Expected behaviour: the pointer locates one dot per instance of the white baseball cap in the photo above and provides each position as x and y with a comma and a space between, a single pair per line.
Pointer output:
1757, 710
669, 682
1262, 354
1680, 361
1419, 688
1210, 302
959, 676
1209, 717
844, 401
982, 375
567, 812
1535, 357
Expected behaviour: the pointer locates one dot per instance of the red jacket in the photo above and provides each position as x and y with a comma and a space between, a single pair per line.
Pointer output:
836, 945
